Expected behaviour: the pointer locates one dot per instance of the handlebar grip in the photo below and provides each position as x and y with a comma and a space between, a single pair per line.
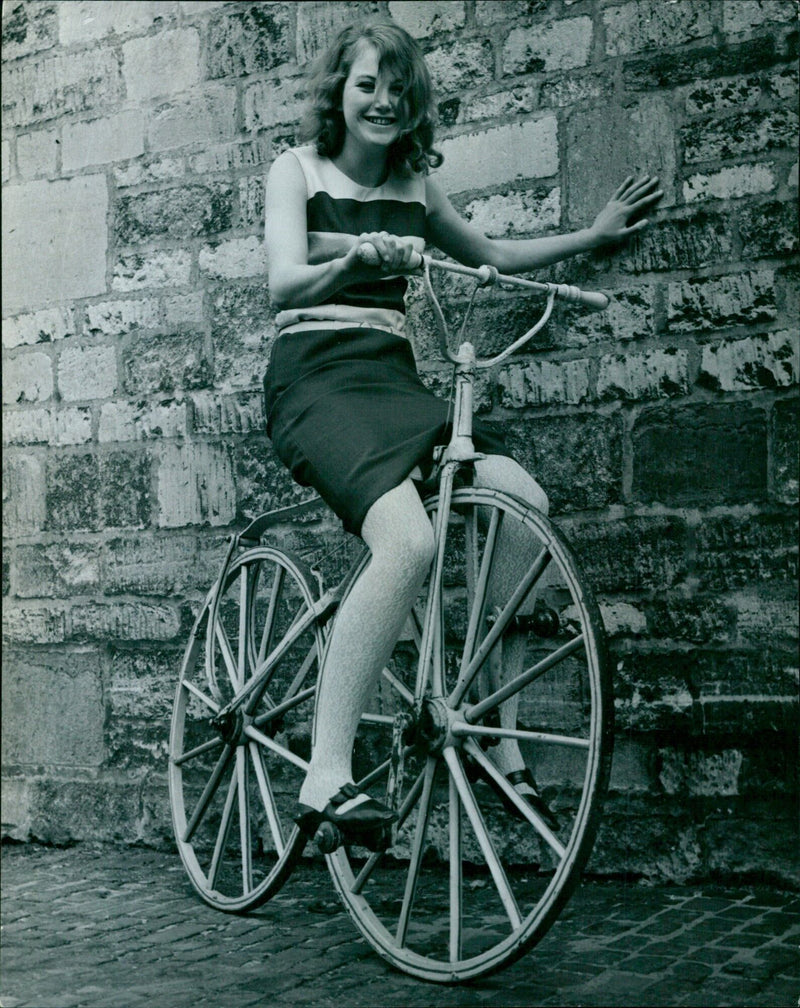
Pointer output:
368, 254
592, 299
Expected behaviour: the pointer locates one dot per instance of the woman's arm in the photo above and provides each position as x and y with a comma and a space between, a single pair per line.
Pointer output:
447, 230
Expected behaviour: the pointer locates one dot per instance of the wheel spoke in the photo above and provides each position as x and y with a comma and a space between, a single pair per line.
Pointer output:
461, 728
279, 709
398, 686
208, 792
483, 838
223, 831
481, 582
423, 814
269, 621
244, 614
456, 881
212, 704
244, 821
267, 798
276, 747
214, 743
476, 711
227, 655
519, 802
533, 574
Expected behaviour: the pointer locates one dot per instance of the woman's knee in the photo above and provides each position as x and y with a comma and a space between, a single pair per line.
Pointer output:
500, 472
399, 533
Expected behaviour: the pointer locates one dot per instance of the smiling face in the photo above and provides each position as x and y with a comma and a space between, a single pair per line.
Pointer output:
372, 103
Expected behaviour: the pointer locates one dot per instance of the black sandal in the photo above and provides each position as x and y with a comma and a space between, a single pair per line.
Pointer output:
532, 796
364, 816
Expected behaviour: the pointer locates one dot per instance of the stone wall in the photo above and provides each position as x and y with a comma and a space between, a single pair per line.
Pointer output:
137, 325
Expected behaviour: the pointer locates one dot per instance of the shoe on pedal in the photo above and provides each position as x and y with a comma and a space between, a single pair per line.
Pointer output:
523, 783
351, 810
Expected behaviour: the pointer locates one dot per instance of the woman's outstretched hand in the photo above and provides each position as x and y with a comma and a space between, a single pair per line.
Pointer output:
633, 196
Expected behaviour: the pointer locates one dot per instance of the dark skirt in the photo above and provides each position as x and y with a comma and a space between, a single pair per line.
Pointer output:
348, 415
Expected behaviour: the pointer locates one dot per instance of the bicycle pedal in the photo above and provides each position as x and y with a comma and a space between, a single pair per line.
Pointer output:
328, 837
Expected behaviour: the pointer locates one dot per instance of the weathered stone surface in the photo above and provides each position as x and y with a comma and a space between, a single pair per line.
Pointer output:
730, 183
142, 271
56, 570
60, 693
697, 773
516, 101
40, 327
422, 19
498, 155
247, 41
126, 621
748, 14
515, 213
166, 364
195, 485
681, 243
768, 361
738, 551
69, 426
116, 318
88, 372
707, 96
125, 497
556, 45
785, 467
242, 413
736, 299
652, 375
649, 24
150, 565
28, 378
272, 103
163, 64
147, 170
127, 421
577, 459
544, 382
55, 238
33, 624
318, 23
204, 118
37, 154
234, 259
102, 141
700, 454
733, 136
83, 21
23, 494
667, 70
697, 618
242, 334
28, 29
262, 481
767, 619
181, 212
769, 229
460, 65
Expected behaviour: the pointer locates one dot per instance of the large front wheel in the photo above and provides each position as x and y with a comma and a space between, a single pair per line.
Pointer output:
476, 875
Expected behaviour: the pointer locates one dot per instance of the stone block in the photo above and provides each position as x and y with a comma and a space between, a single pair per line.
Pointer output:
24, 507
84, 21
499, 155
188, 211
27, 378
516, 213
422, 19
37, 153
738, 135
767, 619
702, 238
149, 170
576, 459
637, 554
555, 45
242, 413
116, 137
15, 800
730, 183
654, 692
718, 302
55, 238
118, 318
248, 41
162, 64
273, 103
69, 426
73, 492
5, 160
540, 383
195, 485
705, 97
516, 101
205, 118
33, 625
124, 490
165, 365
784, 465
29, 28
460, 65
606, 143
569, 90
698, 773
234, 259
48, 87
769, 229
242, 332
143, 271
701, 619
87, 372
700, 455
224, 157
771, 360
738, 551
629, 316
142, 421
318, 23
56, 570
146, 565
650, 24
123, 621
652, 375
185, 311
671, 69
745, 15
61, 693
39, 327
262, 481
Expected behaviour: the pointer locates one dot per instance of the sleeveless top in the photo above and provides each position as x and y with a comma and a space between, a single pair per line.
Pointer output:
338, 208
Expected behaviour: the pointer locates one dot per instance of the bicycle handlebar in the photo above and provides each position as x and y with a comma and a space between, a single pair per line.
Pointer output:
485, 275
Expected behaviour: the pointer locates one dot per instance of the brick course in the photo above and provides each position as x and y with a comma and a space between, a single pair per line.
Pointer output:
137, 326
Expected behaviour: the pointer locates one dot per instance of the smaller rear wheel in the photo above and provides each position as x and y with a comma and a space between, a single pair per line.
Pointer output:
235, 772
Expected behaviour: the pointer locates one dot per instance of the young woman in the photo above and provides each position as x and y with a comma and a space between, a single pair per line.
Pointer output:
347, 413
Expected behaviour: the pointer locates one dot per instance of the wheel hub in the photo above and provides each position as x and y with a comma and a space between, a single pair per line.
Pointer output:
231, 726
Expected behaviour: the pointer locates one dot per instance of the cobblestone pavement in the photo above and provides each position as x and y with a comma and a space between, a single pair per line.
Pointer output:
108, 926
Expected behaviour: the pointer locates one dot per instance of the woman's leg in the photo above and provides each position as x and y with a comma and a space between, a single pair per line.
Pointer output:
365, 631
498, 472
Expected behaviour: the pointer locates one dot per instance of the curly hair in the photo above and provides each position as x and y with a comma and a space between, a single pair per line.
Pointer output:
399, 53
